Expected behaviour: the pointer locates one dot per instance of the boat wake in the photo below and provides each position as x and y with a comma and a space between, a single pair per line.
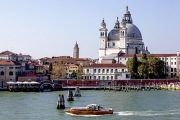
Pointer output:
148, 113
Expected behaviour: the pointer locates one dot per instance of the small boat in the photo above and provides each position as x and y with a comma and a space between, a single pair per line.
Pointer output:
91, 109
177, 86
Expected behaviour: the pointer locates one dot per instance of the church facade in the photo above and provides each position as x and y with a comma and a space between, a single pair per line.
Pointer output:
125, 38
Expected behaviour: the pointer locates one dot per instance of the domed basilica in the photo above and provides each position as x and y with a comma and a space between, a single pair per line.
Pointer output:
125, 38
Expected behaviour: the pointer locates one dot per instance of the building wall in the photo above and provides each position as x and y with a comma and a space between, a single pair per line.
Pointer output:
8, 73
102, 73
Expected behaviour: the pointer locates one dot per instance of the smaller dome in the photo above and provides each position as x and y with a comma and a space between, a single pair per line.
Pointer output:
113, 34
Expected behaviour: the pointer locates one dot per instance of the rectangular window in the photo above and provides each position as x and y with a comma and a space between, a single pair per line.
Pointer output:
113, 44
2, 73
111, 70
10, 67
99, 78
115, 70
174, 63
87, 70
11, 73
171, 63
171, 69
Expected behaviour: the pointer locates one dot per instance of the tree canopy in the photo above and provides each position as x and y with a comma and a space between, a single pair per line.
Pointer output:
147, 67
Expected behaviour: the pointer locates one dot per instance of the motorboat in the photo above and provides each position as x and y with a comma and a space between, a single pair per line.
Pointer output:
91, 109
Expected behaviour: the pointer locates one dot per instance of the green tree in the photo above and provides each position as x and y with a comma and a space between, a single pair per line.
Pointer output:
143, 67
58, 70
80, 72
50, 68
156, 67
73, 75
132, 65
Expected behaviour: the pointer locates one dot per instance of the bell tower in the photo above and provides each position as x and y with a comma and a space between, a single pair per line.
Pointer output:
103, 39
76, 51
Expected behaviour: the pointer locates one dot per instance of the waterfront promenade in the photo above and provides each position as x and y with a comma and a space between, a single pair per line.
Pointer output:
118, 85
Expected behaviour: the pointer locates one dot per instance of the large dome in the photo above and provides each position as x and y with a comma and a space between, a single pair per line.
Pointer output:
133, 32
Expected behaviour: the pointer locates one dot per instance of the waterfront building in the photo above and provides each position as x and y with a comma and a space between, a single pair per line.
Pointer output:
9, 70
125, 37
106, 72
172, 62
71, 68
30, 77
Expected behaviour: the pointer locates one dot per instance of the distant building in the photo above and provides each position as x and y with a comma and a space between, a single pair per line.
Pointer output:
9, 71
70, 68
106, 72
76, 51
172, 62
8, 55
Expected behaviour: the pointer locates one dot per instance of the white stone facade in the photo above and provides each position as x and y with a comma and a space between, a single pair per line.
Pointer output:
106, 72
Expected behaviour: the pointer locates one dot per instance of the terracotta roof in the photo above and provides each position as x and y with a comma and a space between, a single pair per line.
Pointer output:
156, 55
71, 65
106, 65
6, 62
7, 53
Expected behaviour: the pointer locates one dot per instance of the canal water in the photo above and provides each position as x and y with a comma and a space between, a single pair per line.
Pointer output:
142, 105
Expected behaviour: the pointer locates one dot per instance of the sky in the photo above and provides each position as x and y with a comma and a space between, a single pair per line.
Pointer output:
46, 28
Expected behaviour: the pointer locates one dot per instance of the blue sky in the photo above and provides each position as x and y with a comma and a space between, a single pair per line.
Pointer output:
46, 28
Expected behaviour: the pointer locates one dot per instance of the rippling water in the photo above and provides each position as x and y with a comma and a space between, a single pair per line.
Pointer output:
143, 105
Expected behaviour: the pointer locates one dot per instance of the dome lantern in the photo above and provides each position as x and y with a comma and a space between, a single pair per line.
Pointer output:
127, 16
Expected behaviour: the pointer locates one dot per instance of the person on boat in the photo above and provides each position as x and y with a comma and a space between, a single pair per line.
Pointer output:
98, 107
